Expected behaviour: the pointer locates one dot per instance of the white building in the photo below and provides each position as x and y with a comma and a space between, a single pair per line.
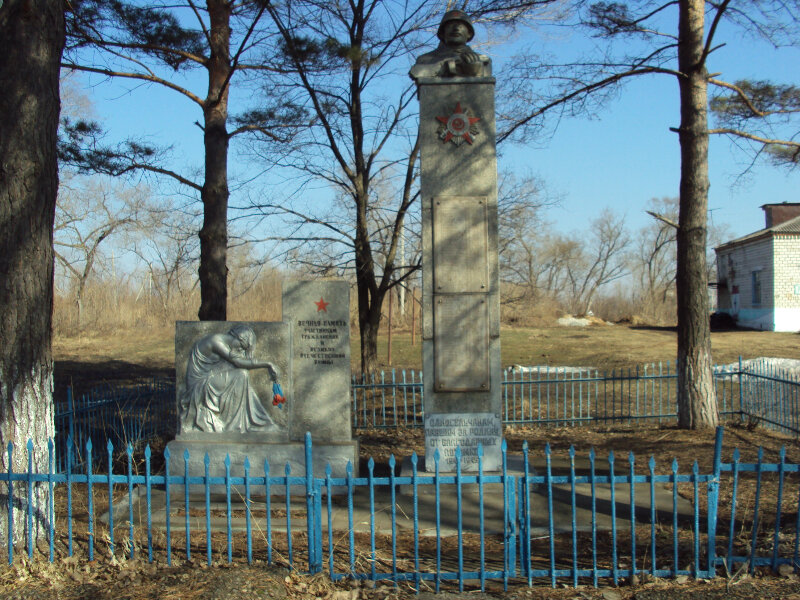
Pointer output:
758, 275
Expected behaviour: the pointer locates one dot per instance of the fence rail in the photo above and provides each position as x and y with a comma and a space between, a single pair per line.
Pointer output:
752, 390
580, 396
317, 531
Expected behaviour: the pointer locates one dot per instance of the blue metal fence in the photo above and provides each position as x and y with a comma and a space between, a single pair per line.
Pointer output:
579, 396
123, 414
273, 527
753, 390
769, 396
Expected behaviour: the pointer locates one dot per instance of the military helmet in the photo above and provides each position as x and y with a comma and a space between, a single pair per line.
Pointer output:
455, 15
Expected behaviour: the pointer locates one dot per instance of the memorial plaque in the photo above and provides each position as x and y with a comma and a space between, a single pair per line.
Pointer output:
461, 343
460, 243
229, 407
447, 431
319, 315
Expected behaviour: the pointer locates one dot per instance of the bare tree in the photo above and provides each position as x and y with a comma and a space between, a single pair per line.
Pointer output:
31, 43
523, 237
346, 66
337, 59
166, 244
762, 115
656, 256
86, 217
598, 258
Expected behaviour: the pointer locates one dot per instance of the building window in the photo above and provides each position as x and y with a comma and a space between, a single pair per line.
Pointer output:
756, 286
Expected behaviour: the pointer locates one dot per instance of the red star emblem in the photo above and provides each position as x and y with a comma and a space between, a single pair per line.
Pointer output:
458, 127
322, 306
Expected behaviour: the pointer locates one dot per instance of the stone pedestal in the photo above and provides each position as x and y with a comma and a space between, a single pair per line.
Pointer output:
257, 451
460, 283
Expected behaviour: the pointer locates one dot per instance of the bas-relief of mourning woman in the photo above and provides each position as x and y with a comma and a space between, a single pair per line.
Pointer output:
218, 395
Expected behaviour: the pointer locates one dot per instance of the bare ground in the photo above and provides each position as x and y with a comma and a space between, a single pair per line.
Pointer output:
134, 581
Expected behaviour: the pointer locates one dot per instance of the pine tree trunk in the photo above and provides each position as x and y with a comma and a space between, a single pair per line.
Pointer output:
213, 272
31, 42
697, 403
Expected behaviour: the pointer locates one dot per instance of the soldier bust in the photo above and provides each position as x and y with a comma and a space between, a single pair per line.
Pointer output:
453, 58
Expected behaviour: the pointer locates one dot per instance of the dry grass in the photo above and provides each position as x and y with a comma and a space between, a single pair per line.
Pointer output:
601, 346
110, 309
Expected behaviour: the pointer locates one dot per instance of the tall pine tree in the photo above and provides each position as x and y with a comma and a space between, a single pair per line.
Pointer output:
31, 42
155, 44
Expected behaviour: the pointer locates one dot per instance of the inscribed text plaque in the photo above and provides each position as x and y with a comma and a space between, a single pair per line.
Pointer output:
461, 343
460, 245
447, 431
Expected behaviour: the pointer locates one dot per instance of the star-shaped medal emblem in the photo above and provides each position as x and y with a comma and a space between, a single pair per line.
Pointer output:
459, 127
322, 306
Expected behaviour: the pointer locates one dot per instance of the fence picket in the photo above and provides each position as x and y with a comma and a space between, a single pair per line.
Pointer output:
612, 490
10, 528
631, 461
287, 491
651, 465
696, 514
89, 496
186, 504
550, 524
167, 501
756, 508
207, 484
51, 500
675, 565
779, 502
30, 500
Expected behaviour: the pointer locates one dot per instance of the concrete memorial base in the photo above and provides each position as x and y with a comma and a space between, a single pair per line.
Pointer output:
254, 389
514, 467
279, 454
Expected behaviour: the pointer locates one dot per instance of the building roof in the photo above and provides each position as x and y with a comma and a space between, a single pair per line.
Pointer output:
787, 227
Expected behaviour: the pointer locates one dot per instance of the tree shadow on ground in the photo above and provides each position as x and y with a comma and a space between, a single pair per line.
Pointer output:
88, 375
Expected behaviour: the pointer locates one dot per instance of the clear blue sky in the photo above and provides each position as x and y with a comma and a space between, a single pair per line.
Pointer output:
619, 160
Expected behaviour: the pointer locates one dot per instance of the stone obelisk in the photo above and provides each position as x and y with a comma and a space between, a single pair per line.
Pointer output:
460, 285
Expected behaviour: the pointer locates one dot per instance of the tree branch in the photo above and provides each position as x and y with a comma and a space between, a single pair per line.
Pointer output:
260, 129
153, 169
745, 98
238, 54
201, 60
755, 138
200, 20
662, 218
584, 90
139, 76
712, 30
